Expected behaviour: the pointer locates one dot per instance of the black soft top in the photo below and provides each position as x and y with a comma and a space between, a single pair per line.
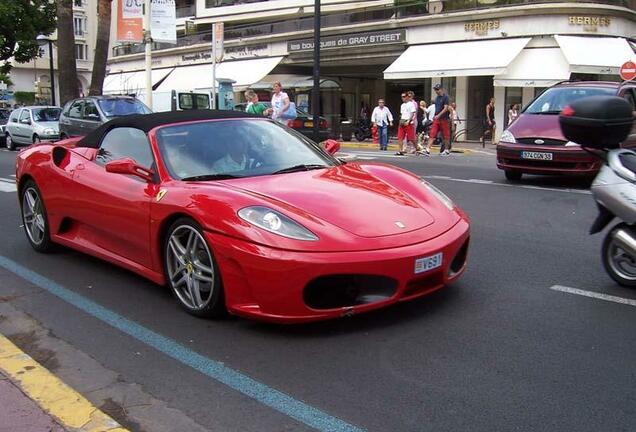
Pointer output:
146, 122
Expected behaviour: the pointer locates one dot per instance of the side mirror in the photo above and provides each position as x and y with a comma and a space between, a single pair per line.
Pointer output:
598, 122
130, 167
331, 146
26, 121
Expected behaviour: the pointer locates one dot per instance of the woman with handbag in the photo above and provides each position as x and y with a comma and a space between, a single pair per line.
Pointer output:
282, 108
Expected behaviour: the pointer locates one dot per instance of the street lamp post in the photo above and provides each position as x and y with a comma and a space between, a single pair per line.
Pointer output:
316, 89
43, 40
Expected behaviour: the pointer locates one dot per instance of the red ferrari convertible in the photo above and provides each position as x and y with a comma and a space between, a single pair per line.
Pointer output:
242, 214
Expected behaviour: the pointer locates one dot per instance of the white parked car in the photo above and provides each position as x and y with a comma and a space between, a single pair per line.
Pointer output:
32, 124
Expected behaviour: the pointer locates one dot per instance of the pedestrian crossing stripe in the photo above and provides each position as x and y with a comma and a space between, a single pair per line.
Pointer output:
8, 184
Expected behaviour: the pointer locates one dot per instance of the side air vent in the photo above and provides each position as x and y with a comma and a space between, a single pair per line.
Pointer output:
61, 157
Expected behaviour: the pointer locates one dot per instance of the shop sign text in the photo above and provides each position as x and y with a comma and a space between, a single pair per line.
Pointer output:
589, 23
482, 27
349, 41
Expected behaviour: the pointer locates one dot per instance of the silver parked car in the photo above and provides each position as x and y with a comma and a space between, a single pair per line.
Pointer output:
32, 124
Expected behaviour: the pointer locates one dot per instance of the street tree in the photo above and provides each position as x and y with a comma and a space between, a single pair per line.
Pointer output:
66, 63
101, 46
21, 21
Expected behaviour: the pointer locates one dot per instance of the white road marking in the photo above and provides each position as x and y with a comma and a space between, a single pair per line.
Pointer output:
7, 185
592, 294
493, 183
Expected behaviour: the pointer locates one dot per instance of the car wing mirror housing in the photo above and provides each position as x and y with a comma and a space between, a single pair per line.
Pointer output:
597, 122
130, 167
331, 146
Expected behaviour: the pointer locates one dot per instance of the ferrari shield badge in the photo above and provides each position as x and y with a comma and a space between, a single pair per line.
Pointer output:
400, 225
161, 194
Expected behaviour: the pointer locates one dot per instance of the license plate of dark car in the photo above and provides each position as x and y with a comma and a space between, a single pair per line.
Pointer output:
309, 124
536, 155
428, 263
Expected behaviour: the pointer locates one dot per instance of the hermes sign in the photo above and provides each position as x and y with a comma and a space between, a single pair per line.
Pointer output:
589, 23
482, 27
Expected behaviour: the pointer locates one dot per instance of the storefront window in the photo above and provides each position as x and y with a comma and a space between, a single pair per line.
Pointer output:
513, 97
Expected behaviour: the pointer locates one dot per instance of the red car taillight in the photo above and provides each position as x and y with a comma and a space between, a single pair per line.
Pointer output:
323, 124
295, 124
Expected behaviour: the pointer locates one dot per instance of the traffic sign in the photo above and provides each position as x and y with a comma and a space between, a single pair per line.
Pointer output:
628, 71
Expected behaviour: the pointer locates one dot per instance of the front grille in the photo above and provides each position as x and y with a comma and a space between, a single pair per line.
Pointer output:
546, 141
338, 291
541, 163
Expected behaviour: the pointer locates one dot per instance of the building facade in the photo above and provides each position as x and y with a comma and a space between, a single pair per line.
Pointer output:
477, 49
34, 76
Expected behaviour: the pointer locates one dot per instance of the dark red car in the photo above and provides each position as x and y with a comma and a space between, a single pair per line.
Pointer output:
534, 144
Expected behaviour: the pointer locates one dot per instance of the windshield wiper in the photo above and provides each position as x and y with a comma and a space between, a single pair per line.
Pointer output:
206, 177
301, 167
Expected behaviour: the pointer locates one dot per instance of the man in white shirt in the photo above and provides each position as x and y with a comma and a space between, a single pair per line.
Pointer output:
382, 119
407, 120
430, 110
235, 160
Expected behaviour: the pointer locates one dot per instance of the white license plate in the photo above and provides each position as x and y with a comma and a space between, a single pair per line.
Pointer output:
536, 155
428, 263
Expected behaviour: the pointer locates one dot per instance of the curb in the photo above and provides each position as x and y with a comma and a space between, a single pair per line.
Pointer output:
70, 409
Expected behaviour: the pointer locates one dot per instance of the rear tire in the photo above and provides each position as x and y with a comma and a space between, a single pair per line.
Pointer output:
36, 139
191, 271
35, 218
9, 142
618, 263
512, 175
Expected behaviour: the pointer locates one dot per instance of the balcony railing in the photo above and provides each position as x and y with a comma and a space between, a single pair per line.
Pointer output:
401, 9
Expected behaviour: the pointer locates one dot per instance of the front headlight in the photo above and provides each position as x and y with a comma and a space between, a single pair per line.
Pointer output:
275, 222
49, 131
507, 136
439, 194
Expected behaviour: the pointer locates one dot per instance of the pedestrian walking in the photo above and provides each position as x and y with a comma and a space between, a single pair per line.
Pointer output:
489, 123
382, 119
440, 122
414, 142
423, 124
280, 102
513, 113
254, 106
406, 133
454, 123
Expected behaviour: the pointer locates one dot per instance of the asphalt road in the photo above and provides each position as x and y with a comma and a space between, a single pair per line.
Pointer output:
498, 350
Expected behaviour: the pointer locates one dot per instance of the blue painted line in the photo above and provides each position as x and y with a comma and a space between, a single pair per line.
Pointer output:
264, 394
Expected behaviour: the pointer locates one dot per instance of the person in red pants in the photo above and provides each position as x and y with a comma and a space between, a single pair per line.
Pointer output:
440, 122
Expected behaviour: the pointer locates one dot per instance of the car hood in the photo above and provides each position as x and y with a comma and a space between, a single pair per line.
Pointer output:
537, 126
346, 196
49, 124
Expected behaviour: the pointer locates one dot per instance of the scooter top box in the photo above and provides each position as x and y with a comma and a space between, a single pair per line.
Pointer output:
600, 122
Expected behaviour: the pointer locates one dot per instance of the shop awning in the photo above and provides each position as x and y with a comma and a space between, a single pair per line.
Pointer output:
595, 55
131, 82
198, 77
289, 81
535, 67
487, 57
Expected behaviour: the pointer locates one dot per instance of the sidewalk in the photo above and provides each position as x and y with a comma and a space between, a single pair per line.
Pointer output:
21, 414
32, 399
459, 147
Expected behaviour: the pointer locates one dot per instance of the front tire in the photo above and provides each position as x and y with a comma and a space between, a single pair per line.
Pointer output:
35, 218
9, 142
36, 139
512, 175
191, 270
618, 263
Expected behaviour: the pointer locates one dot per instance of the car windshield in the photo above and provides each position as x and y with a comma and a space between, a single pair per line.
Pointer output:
553, 100
122, 107
237, 148
46, 114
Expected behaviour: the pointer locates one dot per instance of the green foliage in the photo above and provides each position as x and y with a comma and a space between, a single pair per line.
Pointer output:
24, 98
5, 79
21, 21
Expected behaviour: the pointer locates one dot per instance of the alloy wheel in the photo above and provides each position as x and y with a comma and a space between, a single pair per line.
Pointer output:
621, 262
190, 267
33, 215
